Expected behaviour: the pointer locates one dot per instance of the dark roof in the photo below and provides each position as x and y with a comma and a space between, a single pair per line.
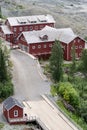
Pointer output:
11, 102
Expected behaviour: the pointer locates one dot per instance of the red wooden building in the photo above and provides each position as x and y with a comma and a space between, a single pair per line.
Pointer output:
13, 111
39, 43
6, 33
15, 25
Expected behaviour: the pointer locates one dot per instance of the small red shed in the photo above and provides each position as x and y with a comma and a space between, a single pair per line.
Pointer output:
13, 110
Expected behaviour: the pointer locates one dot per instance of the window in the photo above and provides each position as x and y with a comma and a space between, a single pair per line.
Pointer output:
20, 29
76, 47
80, 54
33, 47
36, 27
51, 25
39, 46
50, 45
15, 113
26, 28
15, 29
78, 40
22, 38
80, 46
41, 26
45, 46
31, 28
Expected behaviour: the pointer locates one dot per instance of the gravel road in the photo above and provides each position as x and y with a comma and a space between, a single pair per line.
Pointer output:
28, 82
27, 77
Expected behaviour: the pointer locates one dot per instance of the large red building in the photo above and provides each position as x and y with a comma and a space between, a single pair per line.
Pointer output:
39, 43
15, 25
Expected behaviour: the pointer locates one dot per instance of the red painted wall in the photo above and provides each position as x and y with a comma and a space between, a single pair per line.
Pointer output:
20, 112
41, 51
79, 46
5, 112
40, 48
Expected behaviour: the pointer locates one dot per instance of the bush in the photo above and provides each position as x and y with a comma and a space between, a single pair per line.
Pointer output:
6, 90
53, 90
68, 93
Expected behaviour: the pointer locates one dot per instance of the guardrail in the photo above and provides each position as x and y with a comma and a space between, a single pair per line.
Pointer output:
50, 98
44, 127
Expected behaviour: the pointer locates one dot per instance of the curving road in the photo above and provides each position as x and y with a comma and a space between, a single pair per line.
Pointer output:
29, 86
27, 79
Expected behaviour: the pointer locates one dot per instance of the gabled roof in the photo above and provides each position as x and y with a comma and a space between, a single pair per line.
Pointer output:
65, 35
11, 102
6, 30
29, 20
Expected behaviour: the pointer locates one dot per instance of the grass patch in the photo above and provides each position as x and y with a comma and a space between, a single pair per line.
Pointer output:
1, 125
74, 117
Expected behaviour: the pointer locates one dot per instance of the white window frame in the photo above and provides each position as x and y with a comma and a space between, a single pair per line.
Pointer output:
80, 46
15, 29
36, 27
15, 113
41, 26
39, 46
50, 45
31, 28
33, 47
20, 28
26, 28
45, 46
80, 54
76, 47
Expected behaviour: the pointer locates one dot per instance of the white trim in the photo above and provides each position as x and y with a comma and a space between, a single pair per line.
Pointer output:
13, 106
39, 46
15, 113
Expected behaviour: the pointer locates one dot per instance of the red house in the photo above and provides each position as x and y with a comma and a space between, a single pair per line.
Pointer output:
16, 25
39, 43
13, 111
6, 33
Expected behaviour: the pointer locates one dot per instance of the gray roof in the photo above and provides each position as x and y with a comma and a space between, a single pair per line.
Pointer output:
11, 102
65, 35
29, 20
6, 30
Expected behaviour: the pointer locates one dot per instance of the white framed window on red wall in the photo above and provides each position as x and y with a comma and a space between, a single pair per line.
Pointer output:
39, 46
33, 47
15, 113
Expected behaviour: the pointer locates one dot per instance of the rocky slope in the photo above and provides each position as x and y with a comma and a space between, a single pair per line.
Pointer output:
67, 13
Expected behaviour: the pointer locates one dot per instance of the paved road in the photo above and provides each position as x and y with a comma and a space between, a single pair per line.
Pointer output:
29, 86
49, 115
28, 83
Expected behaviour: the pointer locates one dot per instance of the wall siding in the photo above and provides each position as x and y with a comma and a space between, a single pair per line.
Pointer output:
20, 112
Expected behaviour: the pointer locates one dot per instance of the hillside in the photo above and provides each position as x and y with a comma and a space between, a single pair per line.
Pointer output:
67, 13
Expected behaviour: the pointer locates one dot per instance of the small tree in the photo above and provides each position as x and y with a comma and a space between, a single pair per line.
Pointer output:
0, 12
56, 61
73, 65
3, 68
84, 61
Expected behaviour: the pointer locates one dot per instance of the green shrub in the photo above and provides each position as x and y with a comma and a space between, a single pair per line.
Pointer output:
68, 93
